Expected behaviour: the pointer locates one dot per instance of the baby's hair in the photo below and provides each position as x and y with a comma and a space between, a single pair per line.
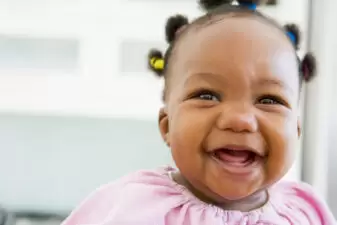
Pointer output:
177, 25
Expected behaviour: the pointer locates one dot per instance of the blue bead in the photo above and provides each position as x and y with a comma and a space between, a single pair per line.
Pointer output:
292, 37
251, 6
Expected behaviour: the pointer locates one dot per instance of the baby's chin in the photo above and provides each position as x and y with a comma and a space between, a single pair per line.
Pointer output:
239, 198
229, 188
234, 192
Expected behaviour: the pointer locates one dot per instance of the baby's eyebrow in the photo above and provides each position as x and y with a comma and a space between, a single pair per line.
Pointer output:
204, 77
218, 79
274, 82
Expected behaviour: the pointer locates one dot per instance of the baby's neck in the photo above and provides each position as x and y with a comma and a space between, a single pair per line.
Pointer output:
247, 204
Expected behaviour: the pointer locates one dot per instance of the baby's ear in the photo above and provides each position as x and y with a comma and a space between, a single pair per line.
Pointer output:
163, 123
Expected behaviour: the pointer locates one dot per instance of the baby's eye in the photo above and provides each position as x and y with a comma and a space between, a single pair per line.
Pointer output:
270, 100
207, 96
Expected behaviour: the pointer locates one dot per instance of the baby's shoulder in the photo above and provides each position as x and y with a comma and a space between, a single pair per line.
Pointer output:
303, 197
138, 190
299, 189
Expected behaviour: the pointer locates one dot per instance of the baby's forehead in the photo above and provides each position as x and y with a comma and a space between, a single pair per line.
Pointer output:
232, 40
234, 45
245, 29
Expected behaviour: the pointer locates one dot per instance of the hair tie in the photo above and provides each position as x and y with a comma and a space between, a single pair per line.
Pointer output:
292, 37
157, 63
251, 6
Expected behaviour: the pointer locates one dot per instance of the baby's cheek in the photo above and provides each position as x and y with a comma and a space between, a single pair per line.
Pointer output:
188, 130
282, 147
291, 137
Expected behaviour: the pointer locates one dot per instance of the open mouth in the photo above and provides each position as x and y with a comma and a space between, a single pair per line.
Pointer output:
236, 161
236, 158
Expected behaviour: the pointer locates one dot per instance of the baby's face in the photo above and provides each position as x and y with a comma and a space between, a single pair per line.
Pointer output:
231, 116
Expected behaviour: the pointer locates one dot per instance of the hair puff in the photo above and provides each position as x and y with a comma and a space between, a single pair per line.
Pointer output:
257, 2
173, 25
295, 31
308, 67
211, 4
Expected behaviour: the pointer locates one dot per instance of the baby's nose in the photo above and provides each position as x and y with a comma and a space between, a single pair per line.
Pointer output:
238, 119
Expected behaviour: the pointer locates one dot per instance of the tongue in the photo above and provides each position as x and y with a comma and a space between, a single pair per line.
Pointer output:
234, 156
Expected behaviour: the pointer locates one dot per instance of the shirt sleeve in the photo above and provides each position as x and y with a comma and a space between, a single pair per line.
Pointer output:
96, 208
316, 203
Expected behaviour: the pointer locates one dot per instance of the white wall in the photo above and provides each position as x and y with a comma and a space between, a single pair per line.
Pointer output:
100, 27
52, 117
319, 144
332, 165
320, 139
51, 163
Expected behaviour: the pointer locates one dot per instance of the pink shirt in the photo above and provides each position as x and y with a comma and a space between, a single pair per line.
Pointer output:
153, 198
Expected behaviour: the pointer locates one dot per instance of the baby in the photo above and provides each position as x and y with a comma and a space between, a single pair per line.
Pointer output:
231, 119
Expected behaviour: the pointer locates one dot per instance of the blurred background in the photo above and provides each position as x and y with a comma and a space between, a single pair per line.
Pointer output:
78, 107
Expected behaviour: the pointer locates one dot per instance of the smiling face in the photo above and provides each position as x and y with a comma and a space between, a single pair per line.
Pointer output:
231, 113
